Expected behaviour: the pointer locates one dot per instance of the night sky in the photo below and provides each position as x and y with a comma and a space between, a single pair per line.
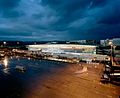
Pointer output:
44, 20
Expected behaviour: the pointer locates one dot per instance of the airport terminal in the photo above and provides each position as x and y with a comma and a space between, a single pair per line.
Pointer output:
81, 52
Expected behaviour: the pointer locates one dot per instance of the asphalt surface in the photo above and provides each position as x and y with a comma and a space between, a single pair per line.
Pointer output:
51, 79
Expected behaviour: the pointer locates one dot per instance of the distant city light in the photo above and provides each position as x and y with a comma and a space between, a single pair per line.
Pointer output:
17, 42
4, 43
110, 43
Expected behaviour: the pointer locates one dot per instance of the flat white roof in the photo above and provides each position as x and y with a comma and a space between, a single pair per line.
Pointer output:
61, 46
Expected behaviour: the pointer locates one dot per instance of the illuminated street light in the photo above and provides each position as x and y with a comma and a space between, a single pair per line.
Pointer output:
111, 44
4, 43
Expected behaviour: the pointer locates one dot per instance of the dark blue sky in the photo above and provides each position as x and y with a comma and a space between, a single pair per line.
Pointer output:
59, 19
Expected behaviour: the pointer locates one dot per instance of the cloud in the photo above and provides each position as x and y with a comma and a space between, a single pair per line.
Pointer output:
96, 24
59, 19
7, 8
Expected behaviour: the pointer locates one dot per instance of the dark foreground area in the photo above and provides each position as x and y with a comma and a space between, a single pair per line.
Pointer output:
50, 79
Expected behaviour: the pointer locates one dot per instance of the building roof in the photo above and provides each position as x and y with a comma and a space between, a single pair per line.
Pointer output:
61, 46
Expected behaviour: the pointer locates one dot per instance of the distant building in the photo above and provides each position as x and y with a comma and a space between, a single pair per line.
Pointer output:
61, 48
105, 42
92, 42
82, 41
116, 41
102, 42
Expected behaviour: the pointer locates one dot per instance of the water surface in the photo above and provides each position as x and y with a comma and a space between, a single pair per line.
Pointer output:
15, 84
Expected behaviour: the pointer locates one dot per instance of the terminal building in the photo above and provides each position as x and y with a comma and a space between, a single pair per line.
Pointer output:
81, 52
63, 48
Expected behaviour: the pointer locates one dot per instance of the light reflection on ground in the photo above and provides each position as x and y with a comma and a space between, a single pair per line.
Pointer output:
18, 82
50, 79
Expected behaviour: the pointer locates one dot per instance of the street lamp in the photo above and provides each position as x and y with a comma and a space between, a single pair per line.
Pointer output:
112, 50
4, 43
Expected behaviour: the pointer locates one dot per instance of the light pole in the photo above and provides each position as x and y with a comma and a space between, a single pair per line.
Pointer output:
112, 46
114, 52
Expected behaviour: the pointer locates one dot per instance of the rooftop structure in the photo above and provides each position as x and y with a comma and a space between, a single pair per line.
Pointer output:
116, 41
81, 52
53, 47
